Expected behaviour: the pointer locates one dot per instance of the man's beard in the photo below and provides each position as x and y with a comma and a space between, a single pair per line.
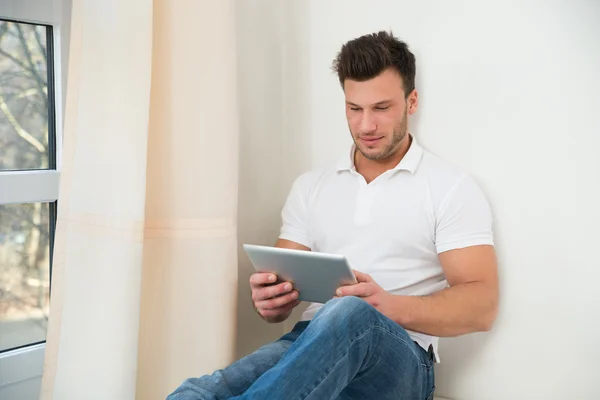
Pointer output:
399, 134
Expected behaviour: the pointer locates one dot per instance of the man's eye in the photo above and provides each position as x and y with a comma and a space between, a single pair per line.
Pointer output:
355, 108
382, 108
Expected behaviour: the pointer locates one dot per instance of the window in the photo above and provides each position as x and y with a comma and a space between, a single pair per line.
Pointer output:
28, 181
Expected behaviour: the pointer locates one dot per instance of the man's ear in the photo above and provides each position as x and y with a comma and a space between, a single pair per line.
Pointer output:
412, 102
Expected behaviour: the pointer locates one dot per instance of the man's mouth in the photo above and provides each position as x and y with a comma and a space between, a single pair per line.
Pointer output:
370, 139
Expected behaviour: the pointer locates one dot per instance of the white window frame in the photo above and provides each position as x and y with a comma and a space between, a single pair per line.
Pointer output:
24, 366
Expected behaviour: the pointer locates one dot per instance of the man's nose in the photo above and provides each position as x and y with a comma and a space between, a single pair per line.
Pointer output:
367, 123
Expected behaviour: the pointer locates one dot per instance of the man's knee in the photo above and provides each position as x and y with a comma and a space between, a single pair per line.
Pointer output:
347, 310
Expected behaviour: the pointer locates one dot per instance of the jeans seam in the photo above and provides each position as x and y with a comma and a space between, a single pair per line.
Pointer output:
357, 337
380, 351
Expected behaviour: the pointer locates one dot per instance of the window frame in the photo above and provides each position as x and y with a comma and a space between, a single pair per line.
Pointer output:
25, 363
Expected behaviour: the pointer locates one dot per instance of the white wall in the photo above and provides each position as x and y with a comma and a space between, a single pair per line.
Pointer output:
259, 50
509, 91
275, 142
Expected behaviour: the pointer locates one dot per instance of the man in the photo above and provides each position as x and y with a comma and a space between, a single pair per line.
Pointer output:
419, 231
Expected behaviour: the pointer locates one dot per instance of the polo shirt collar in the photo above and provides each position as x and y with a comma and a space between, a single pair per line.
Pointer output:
410, 162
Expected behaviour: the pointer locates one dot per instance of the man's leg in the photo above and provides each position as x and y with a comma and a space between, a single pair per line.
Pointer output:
235, 379
349, 350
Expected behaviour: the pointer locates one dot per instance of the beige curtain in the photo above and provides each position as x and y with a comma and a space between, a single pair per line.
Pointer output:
145, 267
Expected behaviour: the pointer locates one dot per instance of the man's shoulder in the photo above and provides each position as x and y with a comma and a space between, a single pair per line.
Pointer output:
437, 167
443, 176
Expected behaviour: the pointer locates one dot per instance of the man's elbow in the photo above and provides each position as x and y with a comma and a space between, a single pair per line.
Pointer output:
486, 325
486, 322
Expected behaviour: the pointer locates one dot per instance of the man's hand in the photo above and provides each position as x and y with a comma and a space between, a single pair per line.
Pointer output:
273, 301
370, 291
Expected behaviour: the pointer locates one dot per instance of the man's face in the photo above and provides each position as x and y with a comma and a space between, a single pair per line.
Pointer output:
377, 113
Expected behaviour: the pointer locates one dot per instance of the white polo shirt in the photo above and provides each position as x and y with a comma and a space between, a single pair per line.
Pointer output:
392, 228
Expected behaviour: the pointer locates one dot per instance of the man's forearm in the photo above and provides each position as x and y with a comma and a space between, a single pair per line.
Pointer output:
460, 309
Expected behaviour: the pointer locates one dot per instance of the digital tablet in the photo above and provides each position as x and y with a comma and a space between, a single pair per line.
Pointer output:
314, 275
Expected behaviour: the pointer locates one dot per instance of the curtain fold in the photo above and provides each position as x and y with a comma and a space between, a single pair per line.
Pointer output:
145, 265
189, 293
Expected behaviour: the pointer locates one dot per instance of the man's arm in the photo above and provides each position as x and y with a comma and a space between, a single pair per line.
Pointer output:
469, 305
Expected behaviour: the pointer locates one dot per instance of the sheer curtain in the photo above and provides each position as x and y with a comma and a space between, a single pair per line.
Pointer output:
145, 268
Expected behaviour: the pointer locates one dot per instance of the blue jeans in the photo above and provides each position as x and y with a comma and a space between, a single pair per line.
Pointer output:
348, 351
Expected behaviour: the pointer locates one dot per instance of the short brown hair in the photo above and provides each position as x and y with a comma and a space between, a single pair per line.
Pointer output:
366, 57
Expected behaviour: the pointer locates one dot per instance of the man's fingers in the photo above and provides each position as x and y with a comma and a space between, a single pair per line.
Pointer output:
276, 302
278, 311
262, 278
267, 292
359, 290
361, 276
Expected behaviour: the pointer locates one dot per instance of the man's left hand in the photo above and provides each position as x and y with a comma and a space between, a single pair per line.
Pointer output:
369, 291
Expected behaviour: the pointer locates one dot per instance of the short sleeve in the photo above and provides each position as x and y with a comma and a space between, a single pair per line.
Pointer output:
464, 219
294, 215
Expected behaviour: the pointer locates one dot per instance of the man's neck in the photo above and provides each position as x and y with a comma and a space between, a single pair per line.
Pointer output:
371, 169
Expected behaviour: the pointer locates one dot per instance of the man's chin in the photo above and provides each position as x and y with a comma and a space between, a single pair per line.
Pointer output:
373, 154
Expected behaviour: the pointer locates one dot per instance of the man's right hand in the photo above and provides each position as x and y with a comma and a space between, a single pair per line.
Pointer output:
274, 301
